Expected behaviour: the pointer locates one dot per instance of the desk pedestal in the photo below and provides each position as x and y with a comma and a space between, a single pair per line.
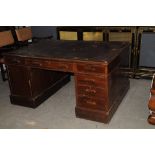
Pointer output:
101, 115
100, 100
30, 87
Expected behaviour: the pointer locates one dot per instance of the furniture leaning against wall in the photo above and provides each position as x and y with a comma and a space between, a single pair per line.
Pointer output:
6, 39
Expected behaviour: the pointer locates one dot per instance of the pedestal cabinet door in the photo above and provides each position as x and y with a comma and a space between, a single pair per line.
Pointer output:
19, 80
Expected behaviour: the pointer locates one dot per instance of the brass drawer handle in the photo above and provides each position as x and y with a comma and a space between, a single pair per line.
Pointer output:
90, 91
91, 102
84, 98
90, 80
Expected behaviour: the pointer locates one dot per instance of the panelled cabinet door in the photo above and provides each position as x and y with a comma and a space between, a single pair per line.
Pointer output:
19, 80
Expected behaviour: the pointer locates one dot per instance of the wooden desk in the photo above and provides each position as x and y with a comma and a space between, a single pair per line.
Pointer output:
39, 70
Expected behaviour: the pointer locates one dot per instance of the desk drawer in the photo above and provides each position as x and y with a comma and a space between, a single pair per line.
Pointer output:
14, 60
87, 102
94, 81
91, 91
59, 66
91, 68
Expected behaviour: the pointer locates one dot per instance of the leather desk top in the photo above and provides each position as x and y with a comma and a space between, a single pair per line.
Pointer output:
72, 50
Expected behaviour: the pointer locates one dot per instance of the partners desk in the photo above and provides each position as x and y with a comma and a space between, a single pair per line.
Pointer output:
38, 70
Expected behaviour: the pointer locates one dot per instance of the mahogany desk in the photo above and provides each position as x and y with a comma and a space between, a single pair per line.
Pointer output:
37, 71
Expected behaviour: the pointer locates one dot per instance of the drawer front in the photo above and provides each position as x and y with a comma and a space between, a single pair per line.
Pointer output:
59, 66
94, 81
91, 68
91, 91
14, 60
87, 102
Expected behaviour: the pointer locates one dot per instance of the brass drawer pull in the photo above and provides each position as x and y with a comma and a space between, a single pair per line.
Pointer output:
90, 91
92, 82
84, 98
89, 80
91, 102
